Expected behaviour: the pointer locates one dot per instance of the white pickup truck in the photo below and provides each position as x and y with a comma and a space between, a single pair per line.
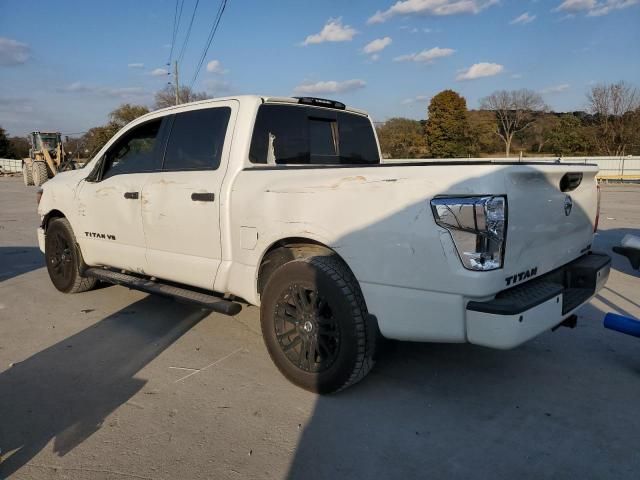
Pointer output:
285, 203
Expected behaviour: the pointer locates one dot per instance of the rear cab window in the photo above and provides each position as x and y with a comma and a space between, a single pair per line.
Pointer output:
293, 134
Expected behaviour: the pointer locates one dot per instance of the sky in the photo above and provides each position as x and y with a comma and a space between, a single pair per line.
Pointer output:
65, 65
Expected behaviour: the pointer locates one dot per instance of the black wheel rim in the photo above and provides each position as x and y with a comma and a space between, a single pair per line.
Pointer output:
306, 329
60, 258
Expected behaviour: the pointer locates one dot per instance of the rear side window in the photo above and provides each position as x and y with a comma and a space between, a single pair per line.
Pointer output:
197, 139
288, 134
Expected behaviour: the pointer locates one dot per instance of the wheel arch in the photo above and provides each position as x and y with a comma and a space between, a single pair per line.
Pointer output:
286, 249
49, 216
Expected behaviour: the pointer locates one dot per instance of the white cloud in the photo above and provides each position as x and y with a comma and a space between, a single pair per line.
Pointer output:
416, 99
480, 70
555, 89
377, 45
426, 55
594, 8
217, 87
113, 92
214, 66
516, 75
333, 31
158, 72
135, 65
330, 86
523, 19
13, 52
431, 7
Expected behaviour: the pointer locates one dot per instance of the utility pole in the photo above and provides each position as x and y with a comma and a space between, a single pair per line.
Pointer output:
175, 72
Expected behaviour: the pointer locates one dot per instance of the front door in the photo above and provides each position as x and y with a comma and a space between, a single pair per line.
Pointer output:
110, 230
181, 203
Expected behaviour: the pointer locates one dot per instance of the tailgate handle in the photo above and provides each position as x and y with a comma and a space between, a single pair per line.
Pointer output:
570, 181
131, 195
203, 197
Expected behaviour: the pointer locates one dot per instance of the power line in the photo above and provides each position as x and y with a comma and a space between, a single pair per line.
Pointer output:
186, 38
212, 34
176, 27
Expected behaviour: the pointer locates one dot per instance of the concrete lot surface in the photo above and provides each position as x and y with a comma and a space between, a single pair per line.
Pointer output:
116, 384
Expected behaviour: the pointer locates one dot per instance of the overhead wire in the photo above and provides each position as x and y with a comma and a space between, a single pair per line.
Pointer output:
186, 38
176, 26
212, 34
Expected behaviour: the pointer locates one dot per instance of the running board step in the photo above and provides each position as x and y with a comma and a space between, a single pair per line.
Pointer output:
211, 302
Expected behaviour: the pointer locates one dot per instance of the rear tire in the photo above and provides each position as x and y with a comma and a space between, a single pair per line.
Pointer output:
27, 174
40, 173
316, 326
63, 259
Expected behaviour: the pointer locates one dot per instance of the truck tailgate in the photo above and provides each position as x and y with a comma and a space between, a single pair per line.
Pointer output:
548, 227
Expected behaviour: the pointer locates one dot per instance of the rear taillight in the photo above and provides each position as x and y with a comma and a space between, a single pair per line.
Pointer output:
477, 226
595, 226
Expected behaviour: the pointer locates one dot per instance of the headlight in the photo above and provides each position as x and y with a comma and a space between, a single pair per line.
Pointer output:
477, 227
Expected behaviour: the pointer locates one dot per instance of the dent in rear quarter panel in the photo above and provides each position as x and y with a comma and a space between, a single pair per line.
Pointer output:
378, 219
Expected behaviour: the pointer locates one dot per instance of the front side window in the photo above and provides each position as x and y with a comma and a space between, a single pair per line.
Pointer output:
291, 134
197, 139
135, 152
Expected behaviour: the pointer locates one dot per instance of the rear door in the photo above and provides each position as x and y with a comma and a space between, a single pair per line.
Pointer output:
181, 203
109, 224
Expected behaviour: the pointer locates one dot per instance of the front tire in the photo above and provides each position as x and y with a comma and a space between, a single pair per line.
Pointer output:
63, 260
40, 173
316, 326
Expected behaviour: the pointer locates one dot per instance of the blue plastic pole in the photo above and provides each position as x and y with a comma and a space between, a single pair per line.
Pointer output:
622, 324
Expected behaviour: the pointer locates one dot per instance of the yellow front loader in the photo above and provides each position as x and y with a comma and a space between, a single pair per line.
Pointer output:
46, 158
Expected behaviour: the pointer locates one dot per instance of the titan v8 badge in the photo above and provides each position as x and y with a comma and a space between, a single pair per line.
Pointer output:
106, 236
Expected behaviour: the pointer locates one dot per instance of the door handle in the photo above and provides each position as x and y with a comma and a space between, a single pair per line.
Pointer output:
131, 195
203, 197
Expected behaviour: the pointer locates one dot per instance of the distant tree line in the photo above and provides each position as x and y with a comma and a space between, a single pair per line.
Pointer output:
507, 123
510, 122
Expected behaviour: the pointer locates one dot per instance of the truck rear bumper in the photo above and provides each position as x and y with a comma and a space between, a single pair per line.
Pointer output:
511, 318
522, 312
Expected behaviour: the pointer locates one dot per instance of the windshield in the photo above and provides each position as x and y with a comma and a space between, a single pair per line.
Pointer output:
49, 141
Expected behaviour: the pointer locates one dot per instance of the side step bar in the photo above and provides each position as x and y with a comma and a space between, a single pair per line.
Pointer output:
211, 302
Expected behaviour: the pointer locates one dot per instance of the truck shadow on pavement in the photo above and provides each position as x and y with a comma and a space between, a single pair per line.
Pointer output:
15, 261
560, 406
67, 390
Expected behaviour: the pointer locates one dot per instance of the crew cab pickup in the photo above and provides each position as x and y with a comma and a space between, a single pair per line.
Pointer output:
285, 203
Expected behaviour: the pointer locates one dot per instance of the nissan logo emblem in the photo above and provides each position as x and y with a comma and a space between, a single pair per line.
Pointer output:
568, 205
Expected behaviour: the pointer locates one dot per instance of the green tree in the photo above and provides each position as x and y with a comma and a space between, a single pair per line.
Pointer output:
568, 136
402, 138
482, 128
126, 113
19, 147
447, 127
97, 137
5, 146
